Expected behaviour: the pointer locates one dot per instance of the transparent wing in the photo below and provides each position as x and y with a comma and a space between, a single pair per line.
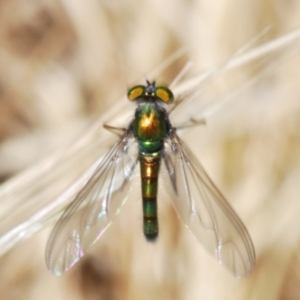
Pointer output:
93, 209
205, 211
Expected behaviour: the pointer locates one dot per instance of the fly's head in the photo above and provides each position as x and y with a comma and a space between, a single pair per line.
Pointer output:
150, 93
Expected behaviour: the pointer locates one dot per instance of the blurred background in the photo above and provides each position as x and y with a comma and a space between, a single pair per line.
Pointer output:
65, 67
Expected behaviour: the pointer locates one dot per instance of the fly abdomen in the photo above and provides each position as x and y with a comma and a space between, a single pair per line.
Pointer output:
149, 173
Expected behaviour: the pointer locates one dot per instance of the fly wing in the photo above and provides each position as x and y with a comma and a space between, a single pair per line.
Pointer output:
205, 211
93, 209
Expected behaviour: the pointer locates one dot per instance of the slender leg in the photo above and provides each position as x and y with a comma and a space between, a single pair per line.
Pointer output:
116, 130
178, 101
193, 123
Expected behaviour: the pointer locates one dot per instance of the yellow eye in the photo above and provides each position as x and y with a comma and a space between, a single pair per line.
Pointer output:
136, 92
164, 94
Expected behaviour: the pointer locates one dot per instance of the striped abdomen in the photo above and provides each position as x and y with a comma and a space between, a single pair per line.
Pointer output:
149, 174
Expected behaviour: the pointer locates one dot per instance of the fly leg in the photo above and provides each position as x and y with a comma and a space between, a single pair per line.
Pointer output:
177, 103
115, 130
192, 123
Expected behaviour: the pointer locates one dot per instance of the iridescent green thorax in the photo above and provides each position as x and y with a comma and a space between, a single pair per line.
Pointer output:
150, 126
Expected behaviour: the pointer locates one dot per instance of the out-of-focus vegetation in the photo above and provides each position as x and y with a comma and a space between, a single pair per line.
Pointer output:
65, 63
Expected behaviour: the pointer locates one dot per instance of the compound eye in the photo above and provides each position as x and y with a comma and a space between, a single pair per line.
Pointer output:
136, 92
164, 94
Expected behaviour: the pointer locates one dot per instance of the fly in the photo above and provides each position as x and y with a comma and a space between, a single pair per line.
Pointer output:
151, 142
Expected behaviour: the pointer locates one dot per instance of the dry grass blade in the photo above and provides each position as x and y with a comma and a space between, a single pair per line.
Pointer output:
63, 64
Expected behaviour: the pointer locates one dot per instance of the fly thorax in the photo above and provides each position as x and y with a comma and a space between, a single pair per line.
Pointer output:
150, 126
